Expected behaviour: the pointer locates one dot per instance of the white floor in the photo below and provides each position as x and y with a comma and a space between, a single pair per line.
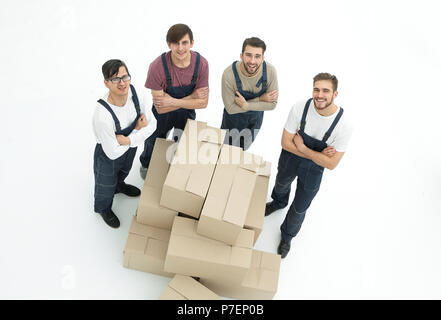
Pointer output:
373, 231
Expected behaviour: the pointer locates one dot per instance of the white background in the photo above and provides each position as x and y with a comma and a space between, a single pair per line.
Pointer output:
373, 231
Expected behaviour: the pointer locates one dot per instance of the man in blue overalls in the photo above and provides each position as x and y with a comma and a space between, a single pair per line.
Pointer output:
120, 124
315, 137
178, 81
249, 87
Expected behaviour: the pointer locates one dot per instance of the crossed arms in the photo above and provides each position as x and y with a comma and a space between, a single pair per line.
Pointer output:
164, 103
328, 158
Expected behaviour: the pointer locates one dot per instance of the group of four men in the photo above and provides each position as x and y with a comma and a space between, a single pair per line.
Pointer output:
315, 135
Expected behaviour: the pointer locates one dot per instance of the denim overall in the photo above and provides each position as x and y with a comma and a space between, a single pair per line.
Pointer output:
110, 174
251, 120
174, 119
309, 177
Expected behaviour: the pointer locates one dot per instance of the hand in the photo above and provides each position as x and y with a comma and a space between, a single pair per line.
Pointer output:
239, 100
269, 96
141, 123
123, 140
200, 93
298, 141
163, 101
329, 151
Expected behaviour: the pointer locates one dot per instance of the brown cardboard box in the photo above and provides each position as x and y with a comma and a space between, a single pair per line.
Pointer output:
192, 168
256, 212
149, 211
194, 255
231, 195
260, 282
146, 248
186, 288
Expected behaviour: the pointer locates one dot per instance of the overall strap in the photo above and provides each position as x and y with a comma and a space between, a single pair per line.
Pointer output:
196, 69
236, 77
115, 119
263, 79
334, 123
135, 100
305, 112
167, 73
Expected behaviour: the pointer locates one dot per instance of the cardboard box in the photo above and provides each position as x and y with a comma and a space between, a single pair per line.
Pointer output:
146, 248
149, 211
260, 282
230, 198
256, 213
192, 168
194, 255
186, 288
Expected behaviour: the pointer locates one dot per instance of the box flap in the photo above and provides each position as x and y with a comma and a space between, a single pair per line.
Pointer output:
191, 289
157, 248
148, 231
270, 261
178, 177
240, 197
136, 244
212, 135
158, 164
264, 169
197, 182
245, 239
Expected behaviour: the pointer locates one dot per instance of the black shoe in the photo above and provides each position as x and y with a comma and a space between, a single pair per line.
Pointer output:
130, 190
283, 248
111, 219
270, 208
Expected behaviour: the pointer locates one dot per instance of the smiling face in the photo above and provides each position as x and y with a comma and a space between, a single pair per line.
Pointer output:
121, 88
252, 58
181, 49
323, 94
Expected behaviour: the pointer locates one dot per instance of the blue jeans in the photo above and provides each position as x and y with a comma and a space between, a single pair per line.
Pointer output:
309, 177
109, 176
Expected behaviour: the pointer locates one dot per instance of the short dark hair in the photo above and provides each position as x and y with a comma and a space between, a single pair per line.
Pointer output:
177, 32
111, 68
327, 76
254, 42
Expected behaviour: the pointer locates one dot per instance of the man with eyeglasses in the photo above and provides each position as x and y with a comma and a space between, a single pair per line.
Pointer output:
120, 123
249, 87
178, 80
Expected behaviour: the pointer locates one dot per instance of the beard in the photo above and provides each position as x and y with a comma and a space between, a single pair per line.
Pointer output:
326, 105
249, 71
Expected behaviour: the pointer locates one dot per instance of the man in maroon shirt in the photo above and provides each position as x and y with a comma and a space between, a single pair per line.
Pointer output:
178, 80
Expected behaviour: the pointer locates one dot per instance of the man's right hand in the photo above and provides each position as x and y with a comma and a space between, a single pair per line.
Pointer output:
200, 93
329, 151
141, 123
269, 96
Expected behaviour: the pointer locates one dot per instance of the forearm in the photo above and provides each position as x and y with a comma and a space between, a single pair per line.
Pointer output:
291, 147
320, 159
190, 103
256, 105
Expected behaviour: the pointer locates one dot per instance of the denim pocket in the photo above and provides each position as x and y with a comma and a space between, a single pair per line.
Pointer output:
313, 178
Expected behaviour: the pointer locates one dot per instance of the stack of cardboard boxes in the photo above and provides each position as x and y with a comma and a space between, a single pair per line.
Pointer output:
200, 213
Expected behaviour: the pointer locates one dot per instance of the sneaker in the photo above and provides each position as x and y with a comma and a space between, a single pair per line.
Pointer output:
143, 172
129, 190
283, 248
111, 219
270, 208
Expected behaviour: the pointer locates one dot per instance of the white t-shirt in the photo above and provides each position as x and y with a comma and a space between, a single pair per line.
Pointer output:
317, 125
104, 125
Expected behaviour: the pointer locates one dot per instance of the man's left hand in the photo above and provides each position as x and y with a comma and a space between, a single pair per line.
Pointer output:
123, 140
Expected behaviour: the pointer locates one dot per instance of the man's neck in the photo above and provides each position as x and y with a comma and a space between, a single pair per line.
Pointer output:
119, 101
181, 63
